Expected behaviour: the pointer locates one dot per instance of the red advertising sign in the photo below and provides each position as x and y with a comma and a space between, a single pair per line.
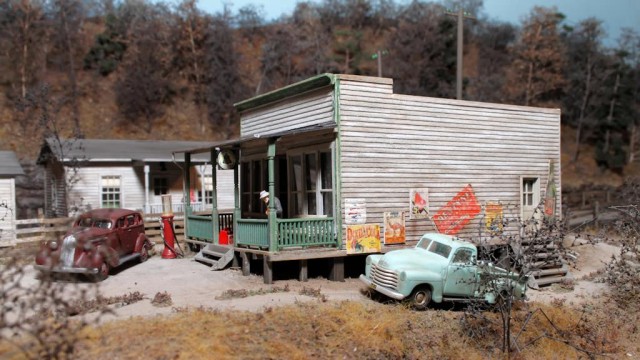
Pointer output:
451, 218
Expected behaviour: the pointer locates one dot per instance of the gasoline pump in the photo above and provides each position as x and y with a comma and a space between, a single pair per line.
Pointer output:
168, 233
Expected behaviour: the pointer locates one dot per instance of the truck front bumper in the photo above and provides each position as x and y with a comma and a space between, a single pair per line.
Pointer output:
381, 289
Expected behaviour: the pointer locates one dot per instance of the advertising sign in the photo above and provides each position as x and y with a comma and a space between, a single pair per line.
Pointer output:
493, 217
355, 211
458, 212
394, 228
419, 203
363, 238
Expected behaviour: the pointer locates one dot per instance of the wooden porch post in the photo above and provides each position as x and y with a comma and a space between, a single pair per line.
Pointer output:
214, 197
337, 269
236, 203
273, 225
187, 182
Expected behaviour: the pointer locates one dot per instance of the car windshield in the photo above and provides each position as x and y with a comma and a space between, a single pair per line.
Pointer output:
440, 249
93, 222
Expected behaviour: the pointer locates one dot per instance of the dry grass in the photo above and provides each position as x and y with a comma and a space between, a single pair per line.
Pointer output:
354, 330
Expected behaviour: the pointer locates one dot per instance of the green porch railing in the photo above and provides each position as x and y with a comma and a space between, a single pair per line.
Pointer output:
199, 227
252, 232
306, 232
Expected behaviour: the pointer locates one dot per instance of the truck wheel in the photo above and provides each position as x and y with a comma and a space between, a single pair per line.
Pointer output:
103, 272
420, 297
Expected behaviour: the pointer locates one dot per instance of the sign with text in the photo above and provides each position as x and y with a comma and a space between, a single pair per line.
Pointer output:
355, 211
394, 228
363, 238
458, 212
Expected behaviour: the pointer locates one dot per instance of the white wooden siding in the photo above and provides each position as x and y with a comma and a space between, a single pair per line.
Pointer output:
225, 199
392, 143
87, 191
308, 109
7, 215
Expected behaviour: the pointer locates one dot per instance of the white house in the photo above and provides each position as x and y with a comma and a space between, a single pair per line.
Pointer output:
83, 174
9, 169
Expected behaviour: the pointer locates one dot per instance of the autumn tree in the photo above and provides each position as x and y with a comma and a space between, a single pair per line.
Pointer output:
223, 85
491, 40
585, 73
66, 36
23, 35
145, 86
422, 51
535, 77
190, 37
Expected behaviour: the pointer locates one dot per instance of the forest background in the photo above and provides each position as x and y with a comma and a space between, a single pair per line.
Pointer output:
140, 69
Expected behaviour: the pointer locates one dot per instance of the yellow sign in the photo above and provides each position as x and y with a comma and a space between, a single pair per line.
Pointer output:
493, 217
363, 238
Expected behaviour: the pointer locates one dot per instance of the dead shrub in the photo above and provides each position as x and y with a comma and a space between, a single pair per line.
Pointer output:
162, 299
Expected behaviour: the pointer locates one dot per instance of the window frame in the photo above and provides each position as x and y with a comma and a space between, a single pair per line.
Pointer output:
108, 202
314, 190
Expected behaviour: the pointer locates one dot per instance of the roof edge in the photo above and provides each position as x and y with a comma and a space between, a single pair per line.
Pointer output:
313, 83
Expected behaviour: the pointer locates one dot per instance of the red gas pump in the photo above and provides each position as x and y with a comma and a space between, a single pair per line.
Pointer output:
169, 251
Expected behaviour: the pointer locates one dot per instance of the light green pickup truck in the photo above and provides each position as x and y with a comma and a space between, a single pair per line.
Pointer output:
440, 268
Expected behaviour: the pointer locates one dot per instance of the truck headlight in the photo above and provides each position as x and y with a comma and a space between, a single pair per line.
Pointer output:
403, 276
368, 260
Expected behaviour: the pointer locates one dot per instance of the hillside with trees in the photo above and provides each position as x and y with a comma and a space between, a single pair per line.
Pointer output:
139, 69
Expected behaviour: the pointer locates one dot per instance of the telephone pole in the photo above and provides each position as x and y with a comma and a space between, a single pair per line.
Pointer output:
461, 15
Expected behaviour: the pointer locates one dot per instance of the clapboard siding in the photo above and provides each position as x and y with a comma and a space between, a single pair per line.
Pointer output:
8, 213
308, 109
86, 190
391, 143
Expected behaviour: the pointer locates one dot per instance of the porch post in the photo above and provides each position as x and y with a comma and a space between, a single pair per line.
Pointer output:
214, 198
236, 203
273, 229
187, 183
147, 207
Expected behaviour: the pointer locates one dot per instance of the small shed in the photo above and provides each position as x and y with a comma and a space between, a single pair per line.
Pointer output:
361, 169
83, 174
9, 169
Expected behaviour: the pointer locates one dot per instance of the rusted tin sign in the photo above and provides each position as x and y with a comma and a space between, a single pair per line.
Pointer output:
458, 212
363, 238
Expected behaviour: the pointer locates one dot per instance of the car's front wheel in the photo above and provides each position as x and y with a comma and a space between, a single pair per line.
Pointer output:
420, 297
103, 272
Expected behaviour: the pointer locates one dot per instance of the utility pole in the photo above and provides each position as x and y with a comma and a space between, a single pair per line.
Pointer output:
378, 55
461, 15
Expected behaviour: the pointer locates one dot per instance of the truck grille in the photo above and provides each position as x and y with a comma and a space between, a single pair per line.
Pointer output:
384, 277
68, 251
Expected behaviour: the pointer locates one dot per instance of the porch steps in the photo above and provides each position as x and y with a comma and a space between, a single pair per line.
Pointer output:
547, 265
218, 256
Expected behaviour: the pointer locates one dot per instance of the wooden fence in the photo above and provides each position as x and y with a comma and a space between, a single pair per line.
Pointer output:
32, 231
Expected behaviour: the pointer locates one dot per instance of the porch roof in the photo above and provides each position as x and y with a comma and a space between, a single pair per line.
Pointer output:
9, 164
103, 150
234, 142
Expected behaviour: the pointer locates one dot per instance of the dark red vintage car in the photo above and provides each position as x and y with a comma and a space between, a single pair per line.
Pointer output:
98, 241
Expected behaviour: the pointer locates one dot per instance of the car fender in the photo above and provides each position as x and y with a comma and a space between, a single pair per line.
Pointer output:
416, 278
141, 241
106, 254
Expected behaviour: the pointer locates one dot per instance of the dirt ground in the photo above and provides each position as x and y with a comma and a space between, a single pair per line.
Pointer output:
192, 284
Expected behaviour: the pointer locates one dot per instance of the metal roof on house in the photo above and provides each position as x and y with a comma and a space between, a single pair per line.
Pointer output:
9, 164
100, 150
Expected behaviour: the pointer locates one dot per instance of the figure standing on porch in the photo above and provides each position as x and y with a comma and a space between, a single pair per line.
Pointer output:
264, 196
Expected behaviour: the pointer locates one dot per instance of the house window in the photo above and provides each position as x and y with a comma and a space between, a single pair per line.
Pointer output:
528, 191
253, 180
110, 191
160, 186
208, 189
311, 183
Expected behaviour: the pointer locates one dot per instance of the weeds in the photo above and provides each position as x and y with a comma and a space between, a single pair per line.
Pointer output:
243, 293
162, 299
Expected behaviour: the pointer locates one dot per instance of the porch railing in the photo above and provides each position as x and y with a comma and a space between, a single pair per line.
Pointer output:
252, 232
200, 227
305, 232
